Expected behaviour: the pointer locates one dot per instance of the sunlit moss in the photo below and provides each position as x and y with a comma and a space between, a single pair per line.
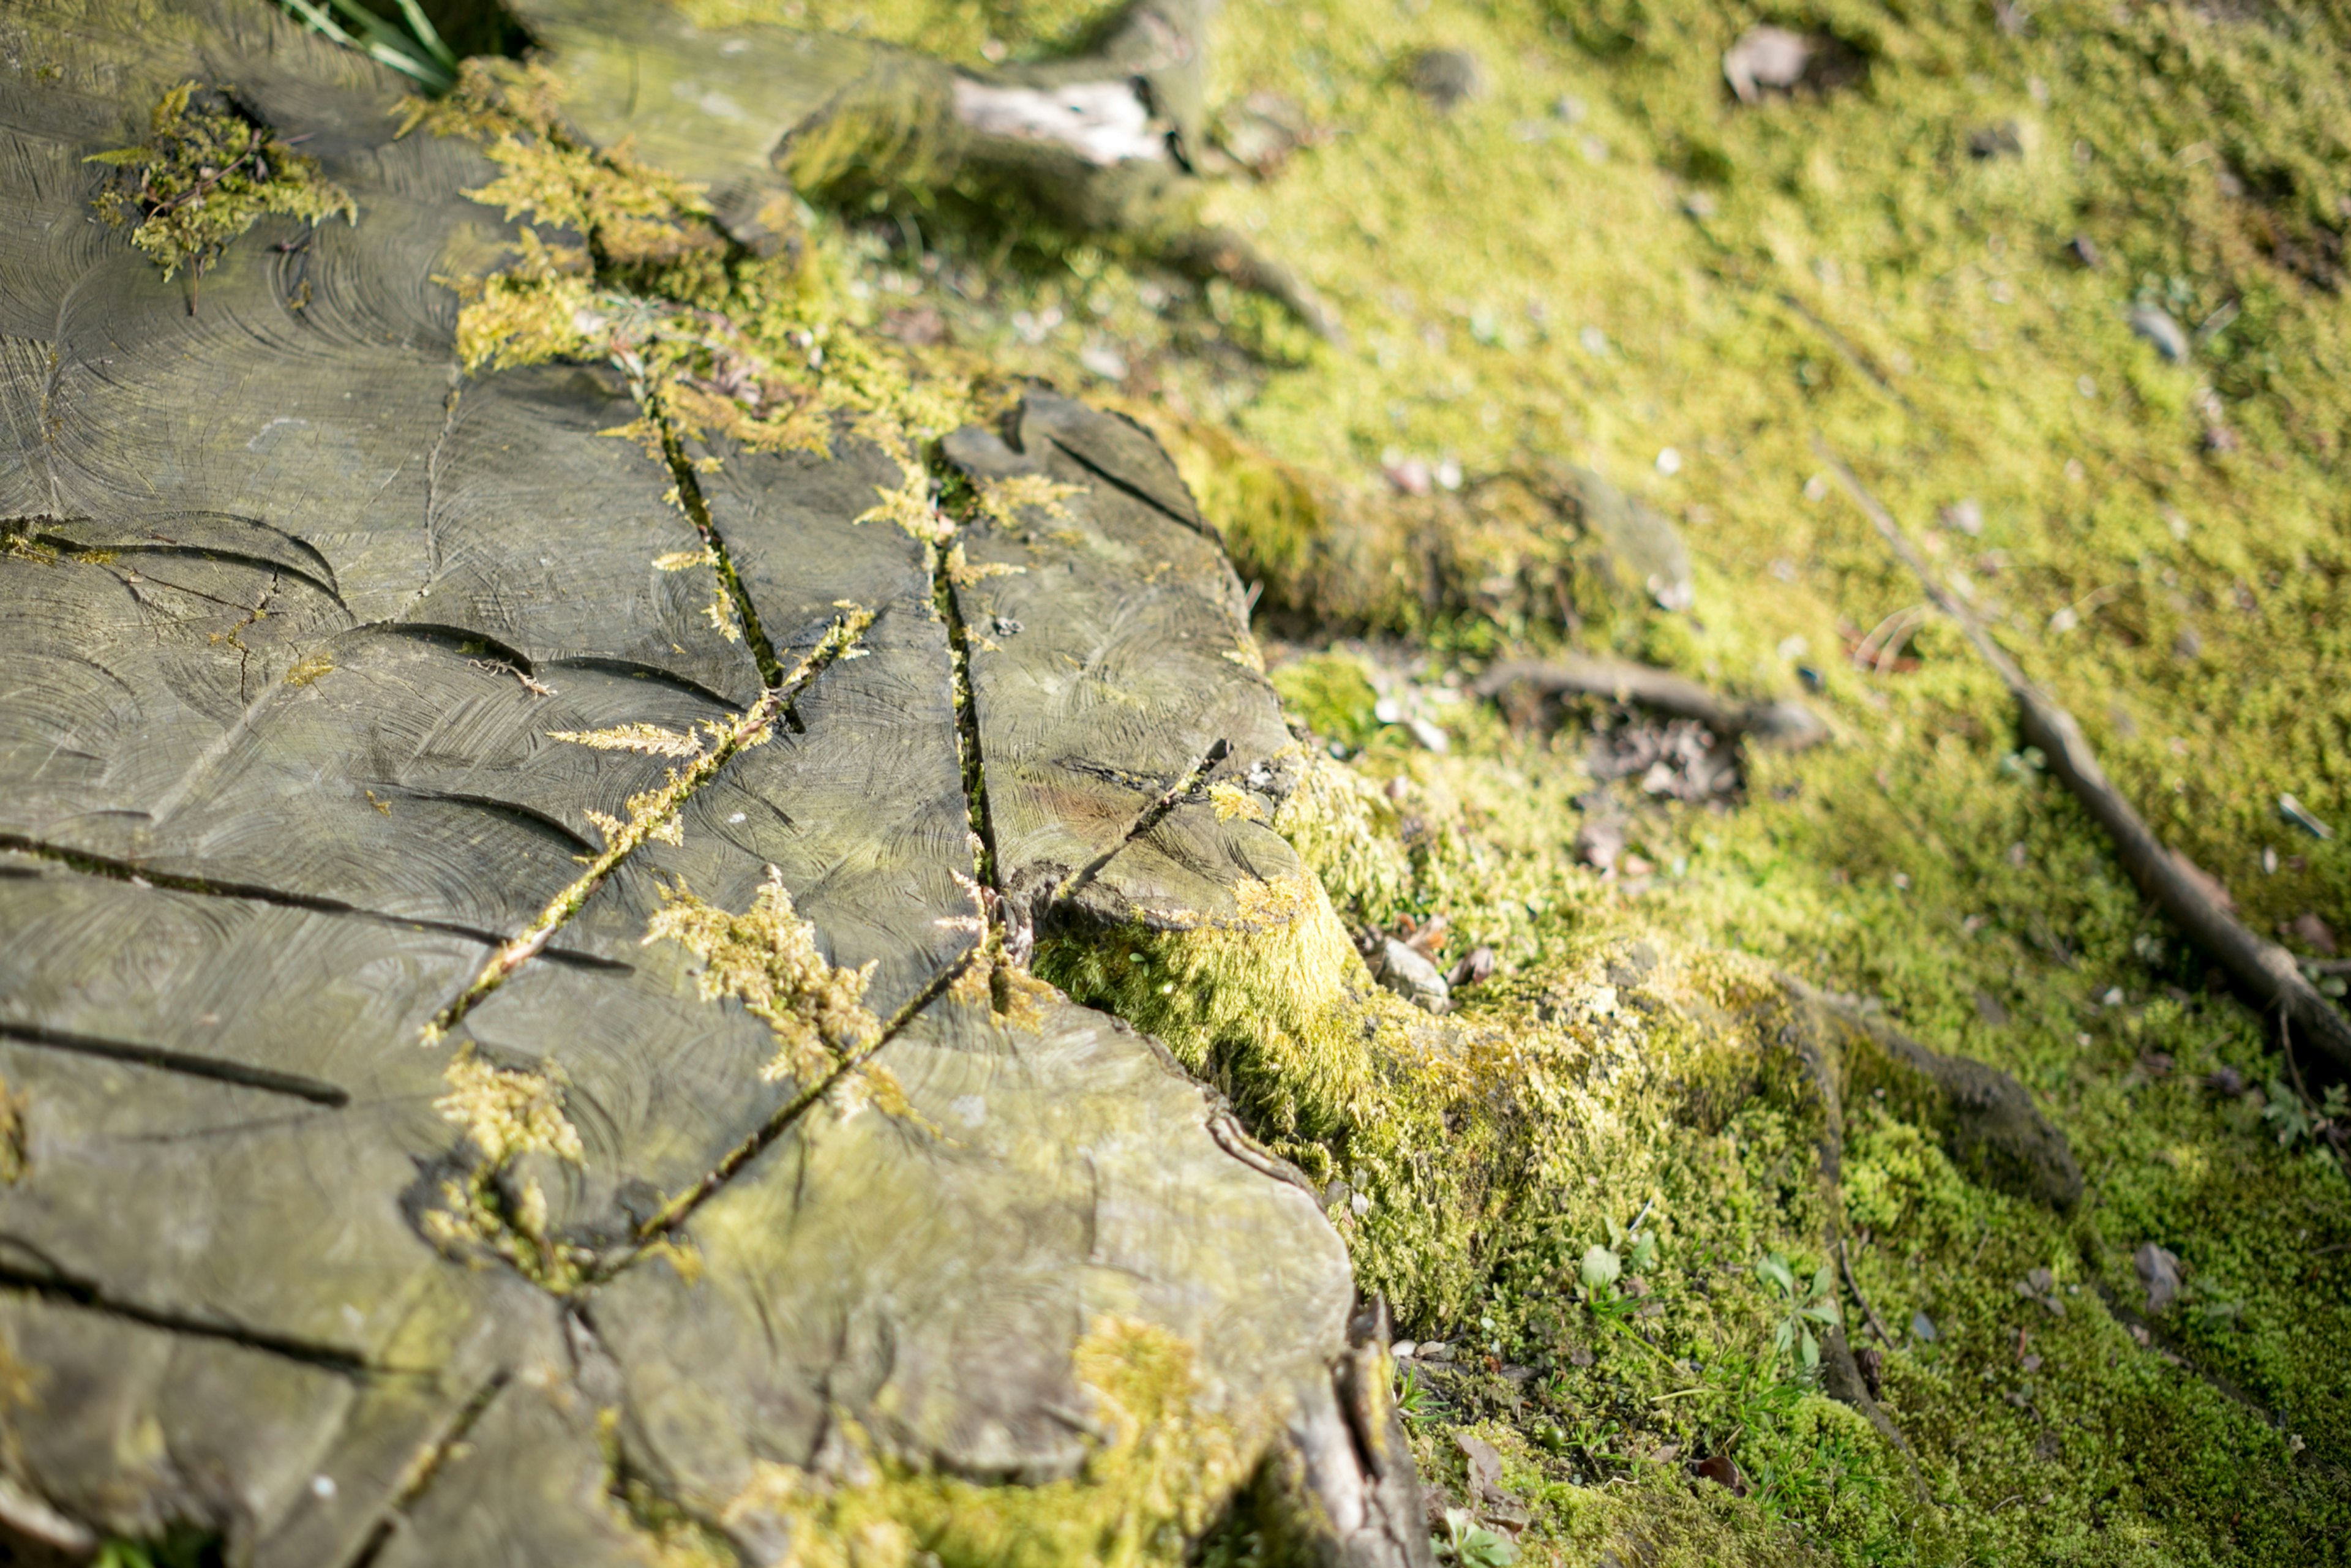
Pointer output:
206, 174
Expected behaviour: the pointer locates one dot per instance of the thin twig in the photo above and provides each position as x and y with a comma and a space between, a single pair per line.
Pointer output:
1868, 1313
1790, 725
2263, 967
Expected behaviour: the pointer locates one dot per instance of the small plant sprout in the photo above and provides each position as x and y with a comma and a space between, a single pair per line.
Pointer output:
1628, 1252
1412, 1398
1799, 1307
2294, 1120
1468, 1544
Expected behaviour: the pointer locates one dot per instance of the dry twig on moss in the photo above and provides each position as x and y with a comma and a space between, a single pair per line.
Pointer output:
1784, 724
2263, 967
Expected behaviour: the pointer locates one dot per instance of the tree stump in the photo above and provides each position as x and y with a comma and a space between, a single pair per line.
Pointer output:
509, 984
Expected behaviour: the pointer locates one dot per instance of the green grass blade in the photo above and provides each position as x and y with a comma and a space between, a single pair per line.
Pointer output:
426, 34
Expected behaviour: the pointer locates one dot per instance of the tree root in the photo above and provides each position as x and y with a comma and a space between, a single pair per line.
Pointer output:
1989, 1125
2181, 891
1789, 725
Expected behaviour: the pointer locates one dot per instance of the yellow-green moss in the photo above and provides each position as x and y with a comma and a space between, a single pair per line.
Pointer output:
1332, 695
767, 959
486, 1209
205, 176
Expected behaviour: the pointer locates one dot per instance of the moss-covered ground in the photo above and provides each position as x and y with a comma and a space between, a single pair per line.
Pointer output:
1602, 257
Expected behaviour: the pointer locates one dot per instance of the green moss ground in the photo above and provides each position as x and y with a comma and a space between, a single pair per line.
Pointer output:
1601, 258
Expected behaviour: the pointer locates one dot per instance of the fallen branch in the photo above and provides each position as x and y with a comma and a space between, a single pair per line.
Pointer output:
2263, 967
1789, 725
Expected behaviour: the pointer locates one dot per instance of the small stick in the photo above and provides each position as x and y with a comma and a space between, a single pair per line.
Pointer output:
1786, 724
2263, 967
1868, 1313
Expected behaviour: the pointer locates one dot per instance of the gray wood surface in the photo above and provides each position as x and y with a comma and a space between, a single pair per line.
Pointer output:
292, 619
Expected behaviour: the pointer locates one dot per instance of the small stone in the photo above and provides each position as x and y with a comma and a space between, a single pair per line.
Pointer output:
1403, 1349
1439, 1351
1446, 77
1991, 141
1103, 360
1765, 57
2084, 251
2157, 328
1966, 517
2158, 1271
1411, 976
1923, 1327
1580, 1357
2225, 1082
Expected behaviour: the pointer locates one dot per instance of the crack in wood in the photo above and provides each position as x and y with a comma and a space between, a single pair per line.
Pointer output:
1149, 817
220, 1070
974, 764
139, 876
427, 1466
60, 1288
697, 512
774, 704
1128, 488
675, 1213
159, 546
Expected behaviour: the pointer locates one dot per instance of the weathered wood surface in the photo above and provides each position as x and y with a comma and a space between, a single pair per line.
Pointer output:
292, 614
